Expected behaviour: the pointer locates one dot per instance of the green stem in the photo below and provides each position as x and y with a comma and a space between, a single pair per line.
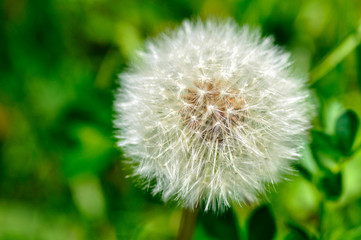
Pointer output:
188, 223
336, 56
322, 219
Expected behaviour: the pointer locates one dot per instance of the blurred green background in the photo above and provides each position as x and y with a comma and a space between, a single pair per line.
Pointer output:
61, 175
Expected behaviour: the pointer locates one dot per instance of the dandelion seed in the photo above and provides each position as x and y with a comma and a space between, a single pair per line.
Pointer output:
212, 114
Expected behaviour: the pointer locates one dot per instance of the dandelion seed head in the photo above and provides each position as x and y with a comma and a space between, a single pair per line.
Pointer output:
211, 114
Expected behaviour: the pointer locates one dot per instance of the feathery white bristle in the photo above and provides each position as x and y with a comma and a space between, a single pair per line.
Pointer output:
212, 113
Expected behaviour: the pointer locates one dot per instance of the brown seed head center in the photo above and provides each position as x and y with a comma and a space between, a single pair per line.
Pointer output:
211, 109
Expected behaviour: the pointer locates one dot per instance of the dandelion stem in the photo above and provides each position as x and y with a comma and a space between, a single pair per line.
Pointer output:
188, 223
322, 219
336, 56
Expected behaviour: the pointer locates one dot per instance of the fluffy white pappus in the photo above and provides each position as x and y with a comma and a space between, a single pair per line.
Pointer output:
210, 114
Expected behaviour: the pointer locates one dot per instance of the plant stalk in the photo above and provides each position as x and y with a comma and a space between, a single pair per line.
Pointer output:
336, 56
322, 219
188, 224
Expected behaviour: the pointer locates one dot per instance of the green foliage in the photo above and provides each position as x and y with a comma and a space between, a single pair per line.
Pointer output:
60, 171
324, 143
262, 224
217, 227
331, 185
346, 130
303, 172
296, 233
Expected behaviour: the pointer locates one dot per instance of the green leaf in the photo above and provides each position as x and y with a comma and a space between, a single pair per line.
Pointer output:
262, 224
219, 227
295, 236
323, 149
324, 143
331, 185
296, 233
88, 196
90, 153
346, 129
304, 172
354, 233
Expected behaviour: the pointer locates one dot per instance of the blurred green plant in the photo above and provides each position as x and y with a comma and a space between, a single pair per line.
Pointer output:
60, 172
